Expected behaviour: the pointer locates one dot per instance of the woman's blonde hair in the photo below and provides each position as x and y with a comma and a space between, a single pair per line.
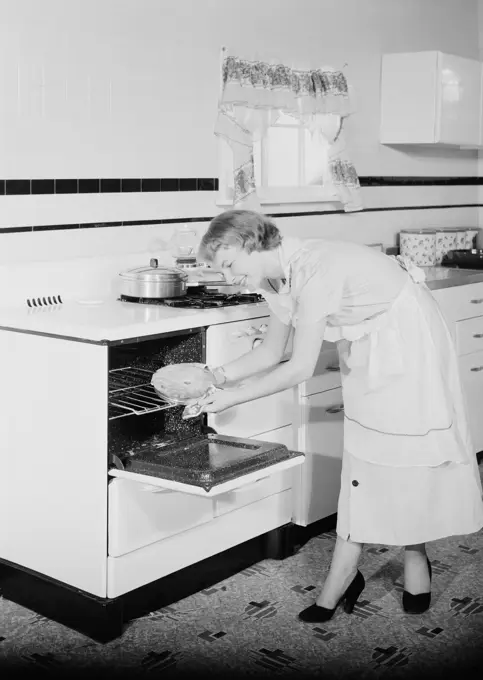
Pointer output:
245, 228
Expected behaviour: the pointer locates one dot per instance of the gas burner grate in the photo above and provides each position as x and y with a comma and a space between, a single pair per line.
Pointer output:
199, 300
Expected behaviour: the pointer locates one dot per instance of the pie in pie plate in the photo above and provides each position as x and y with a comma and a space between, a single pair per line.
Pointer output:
183, 383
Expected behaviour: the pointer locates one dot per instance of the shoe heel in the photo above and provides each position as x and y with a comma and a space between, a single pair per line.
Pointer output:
353, 592
417, 604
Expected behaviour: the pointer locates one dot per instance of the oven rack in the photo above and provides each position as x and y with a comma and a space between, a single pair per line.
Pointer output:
131, 393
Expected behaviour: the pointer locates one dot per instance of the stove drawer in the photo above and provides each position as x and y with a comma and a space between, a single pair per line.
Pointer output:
272, 484
255, 417
141, 514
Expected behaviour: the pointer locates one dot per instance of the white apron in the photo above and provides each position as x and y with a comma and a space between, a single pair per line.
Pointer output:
409, 472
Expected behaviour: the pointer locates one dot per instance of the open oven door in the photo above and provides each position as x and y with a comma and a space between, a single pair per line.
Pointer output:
207, 465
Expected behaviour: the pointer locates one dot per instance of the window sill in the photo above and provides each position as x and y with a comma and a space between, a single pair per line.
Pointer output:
284, 198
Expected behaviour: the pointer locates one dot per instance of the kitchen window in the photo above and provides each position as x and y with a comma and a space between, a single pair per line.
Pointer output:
281, 140
291, 164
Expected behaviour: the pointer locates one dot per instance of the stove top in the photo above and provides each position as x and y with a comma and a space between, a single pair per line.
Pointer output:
199, 300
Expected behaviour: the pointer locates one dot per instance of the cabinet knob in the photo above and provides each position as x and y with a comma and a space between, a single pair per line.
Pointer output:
334, 369
478, 335
477, 302
477, 368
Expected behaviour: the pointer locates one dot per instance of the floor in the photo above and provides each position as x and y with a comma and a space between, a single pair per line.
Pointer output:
247, 626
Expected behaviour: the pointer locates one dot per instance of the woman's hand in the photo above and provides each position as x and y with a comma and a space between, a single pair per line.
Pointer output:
218, 401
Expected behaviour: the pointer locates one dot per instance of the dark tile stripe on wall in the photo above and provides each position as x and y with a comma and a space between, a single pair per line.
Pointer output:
20, 187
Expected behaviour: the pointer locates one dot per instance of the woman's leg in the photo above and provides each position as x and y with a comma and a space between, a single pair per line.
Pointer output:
342, 570
416, 573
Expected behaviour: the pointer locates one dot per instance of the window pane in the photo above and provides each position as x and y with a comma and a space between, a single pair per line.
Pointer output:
286, 119
315, 159
257, 162
283, 156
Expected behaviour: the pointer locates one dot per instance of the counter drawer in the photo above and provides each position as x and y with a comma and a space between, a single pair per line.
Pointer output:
326, 374
471, 370
469, 335
460, 302
140, 514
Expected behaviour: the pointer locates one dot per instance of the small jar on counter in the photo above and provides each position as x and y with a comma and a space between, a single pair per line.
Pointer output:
419, 245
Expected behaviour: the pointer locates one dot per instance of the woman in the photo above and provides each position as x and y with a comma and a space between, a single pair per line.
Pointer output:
409, 472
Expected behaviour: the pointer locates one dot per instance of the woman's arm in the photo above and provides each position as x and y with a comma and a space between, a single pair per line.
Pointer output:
307, 344
262, 357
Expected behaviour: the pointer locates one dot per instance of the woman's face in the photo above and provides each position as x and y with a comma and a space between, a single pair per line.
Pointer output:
239, 267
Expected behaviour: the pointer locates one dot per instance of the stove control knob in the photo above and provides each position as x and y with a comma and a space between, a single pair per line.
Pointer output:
237, 334
251, 330
263, 328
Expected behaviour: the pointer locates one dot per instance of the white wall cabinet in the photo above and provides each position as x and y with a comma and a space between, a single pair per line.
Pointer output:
430, 98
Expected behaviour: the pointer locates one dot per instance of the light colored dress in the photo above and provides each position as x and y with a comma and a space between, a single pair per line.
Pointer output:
409, 470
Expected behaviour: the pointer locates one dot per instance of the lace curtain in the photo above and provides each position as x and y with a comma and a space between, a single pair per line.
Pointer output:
253, 96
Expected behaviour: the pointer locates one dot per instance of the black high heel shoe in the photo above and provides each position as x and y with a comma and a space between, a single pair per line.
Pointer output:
417, 604
317, 614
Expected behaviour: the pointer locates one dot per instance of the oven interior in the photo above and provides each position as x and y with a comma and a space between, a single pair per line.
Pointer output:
148, 436
138, 417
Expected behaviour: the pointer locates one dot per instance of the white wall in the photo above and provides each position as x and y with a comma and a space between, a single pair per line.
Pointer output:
128, 88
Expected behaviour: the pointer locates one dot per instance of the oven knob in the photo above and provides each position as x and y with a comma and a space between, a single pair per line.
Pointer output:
263, 328
251, 330
256, 342
237, 334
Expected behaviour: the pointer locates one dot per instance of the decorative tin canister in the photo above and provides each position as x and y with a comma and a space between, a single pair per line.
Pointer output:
470, 238
461, 238
419, 245
446, 240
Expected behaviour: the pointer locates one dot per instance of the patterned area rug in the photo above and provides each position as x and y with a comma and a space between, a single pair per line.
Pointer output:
247, 626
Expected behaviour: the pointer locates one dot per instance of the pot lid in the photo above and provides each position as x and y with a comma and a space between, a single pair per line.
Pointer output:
155, 273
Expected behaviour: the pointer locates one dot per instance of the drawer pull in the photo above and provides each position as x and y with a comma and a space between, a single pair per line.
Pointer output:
477, 368
334, 369
338, 408
477, 302
478, 335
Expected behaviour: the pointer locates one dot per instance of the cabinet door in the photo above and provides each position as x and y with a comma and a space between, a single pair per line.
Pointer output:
471, 367
320, 437
458, 103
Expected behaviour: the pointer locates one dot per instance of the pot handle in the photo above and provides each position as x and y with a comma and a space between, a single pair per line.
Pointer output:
153, 262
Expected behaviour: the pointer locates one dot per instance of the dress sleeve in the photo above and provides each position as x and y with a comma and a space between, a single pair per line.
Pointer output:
280, 306
317, 289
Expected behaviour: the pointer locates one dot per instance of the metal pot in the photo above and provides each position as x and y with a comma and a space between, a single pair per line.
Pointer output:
154, 282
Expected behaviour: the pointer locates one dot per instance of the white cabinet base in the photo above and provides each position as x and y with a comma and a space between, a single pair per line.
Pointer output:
159, 559
321, 438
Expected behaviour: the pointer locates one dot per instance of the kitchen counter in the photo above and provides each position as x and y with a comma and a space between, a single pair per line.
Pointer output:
445, 277
109, 321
